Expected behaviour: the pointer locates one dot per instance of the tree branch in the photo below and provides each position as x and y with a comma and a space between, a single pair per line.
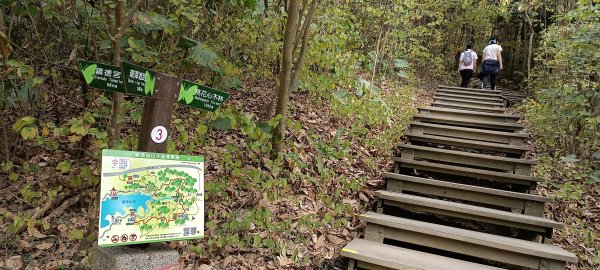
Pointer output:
123, 26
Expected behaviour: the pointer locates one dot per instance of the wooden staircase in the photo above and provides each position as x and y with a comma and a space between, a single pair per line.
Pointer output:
460, 195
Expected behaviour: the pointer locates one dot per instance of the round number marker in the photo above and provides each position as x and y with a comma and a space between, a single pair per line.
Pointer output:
159, 134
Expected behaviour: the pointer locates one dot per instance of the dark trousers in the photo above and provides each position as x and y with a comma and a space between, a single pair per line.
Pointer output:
466, 75
493, 81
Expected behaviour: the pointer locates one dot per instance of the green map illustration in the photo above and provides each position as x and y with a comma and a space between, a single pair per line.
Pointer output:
150, 197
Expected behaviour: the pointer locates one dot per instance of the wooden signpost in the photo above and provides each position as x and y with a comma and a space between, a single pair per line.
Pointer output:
161, 92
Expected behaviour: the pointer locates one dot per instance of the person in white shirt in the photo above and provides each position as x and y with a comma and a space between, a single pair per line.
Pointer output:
492, 62
466, 64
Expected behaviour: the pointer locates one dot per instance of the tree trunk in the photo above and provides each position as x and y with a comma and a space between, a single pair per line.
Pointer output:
285, 74
305, 36
114, 130
530, 48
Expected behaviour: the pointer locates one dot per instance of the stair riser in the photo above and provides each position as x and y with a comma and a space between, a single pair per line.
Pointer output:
467, 108
485, 137
468, 123
532, 208
468, 145
469, 117
468, 93
505, 179
469, 103
470, 97
377, 233
506, 166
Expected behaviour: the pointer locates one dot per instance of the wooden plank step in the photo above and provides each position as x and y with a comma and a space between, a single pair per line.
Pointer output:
468, 93
509, 138
473, 144
469, 97
470, 115
482, 245
461, 101
460, 158
449, 120
468, 89
541, 225
373, 255
524, 180
529, 204
441, 104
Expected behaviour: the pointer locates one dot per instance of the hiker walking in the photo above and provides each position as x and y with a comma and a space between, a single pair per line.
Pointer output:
492, 62
466, 64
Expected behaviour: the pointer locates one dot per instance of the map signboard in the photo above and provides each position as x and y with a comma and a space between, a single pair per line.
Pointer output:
138, 80
150, 197
101, 76
200, 96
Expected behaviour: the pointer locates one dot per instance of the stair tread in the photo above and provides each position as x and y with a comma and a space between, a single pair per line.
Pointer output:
469, 101
404, 259
468, 209
462, 121
468, 92
468, 107
481, 173
468, 97
493, 191
470, 112
476, 130
467, 141
468, 89
472, 237
468, 154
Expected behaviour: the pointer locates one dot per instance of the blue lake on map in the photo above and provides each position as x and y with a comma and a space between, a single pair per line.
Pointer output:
112, 207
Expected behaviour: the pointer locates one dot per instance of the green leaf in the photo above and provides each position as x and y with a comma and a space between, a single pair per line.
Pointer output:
186, 43
149, 88
64, 166
88, 73
223, 123
400, 63
250, 4
190, 93
203, 57
23, 122
13, 176
136, 44
402, 74
29, 132
75, 234
570, 158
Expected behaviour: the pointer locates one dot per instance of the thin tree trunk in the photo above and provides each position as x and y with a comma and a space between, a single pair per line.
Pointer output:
305, 36
285, 74
530, 49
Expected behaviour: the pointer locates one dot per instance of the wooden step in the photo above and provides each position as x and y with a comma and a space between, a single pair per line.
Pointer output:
479, 90
449, 120
528, 204
473, 144
470, 115
460, 158
470, 97
461, 101
441, 104
477, 244
524, 180
509, 138
377, 256
540, 225
469, 93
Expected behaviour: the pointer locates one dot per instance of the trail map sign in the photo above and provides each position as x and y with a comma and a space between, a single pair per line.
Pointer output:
150, 197
101, 76
201, 97
138, 80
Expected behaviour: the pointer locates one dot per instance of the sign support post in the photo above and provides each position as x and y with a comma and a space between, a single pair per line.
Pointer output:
158, 111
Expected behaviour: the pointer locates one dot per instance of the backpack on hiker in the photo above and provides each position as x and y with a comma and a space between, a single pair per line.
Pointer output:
467, 58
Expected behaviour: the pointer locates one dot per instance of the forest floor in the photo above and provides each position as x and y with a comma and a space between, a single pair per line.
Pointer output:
331, 166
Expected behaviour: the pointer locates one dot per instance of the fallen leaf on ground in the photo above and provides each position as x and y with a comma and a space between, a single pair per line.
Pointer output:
44, 246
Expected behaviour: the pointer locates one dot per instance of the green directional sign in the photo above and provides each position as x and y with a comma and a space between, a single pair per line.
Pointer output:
138, 80
201, 97
101, 76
